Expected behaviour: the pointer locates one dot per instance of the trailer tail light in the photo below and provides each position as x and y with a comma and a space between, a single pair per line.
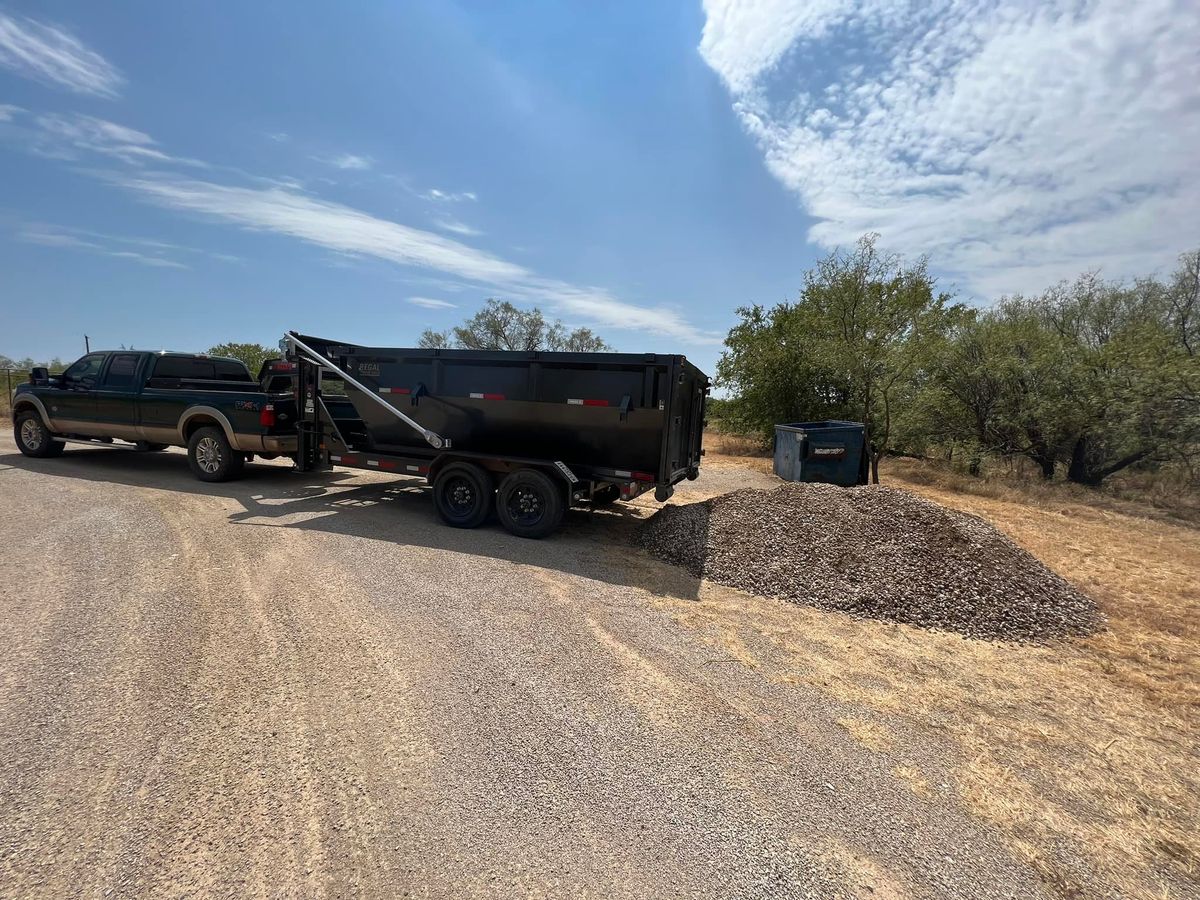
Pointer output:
266, 418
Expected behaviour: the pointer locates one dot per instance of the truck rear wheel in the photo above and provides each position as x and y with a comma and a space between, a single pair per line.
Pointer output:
210, 456
530, 503
33, 437
462, 493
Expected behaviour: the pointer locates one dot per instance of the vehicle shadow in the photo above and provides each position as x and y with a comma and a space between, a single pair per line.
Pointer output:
592, 544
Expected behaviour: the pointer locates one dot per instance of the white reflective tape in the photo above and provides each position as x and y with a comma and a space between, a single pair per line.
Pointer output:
575, 402
622, 473
335, 458
372, 462
476, 396
413, 468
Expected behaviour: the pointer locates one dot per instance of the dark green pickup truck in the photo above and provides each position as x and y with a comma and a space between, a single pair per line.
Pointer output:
211, 405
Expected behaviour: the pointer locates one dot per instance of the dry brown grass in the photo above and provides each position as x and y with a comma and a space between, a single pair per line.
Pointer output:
1086, 753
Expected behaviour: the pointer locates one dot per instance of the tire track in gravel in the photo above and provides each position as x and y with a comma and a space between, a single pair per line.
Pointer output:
252, 689
282, 757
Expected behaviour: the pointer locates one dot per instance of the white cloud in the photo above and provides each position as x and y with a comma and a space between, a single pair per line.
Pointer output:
281, 208
456, 227
279, 137
431, 303
348, 161
104, 245
51, 55
69, 136
8, 112
1014, 143
346, 230
449, 196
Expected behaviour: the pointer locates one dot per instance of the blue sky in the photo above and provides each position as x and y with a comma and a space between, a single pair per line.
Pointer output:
177, 177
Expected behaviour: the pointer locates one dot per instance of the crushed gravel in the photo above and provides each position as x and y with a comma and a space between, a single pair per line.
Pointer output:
872, 551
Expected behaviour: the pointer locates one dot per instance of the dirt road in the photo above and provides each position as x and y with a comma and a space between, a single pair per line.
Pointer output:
305, 686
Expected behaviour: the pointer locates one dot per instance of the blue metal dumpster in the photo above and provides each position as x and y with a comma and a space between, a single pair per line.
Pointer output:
831, 452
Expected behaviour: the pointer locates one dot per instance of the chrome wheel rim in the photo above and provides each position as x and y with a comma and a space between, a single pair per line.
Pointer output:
208, 455
31, 434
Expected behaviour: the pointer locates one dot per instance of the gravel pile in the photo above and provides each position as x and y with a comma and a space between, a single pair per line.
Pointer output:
872, 551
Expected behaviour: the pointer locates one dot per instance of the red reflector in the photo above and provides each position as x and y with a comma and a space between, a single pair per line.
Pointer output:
385, 464
424, 470
350, 460
642, 476
266, 417
595, 403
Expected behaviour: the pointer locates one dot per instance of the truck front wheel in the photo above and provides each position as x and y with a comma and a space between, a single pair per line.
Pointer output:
210, 456
462, 493
530, 503
33, 437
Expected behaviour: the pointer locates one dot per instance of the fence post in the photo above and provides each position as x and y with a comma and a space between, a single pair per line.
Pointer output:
8, 380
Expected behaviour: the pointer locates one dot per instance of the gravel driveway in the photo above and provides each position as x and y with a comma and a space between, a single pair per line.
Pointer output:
306, 686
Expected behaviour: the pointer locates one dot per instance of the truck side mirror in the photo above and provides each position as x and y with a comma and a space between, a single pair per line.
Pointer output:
39, 375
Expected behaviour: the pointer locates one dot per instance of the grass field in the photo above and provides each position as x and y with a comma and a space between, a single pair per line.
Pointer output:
1085, 753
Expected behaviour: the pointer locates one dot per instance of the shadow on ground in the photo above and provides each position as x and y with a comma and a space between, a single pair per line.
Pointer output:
597, 545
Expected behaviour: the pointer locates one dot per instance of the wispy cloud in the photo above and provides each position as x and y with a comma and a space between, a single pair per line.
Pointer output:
1015, 143
8, 112
51, 55
347, 161
74, 135
271, 206
456, 227
104, 245
344, 229
431, 303
449, 196
279, 137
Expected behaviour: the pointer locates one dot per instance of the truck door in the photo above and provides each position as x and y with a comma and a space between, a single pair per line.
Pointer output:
73, 405
116, 397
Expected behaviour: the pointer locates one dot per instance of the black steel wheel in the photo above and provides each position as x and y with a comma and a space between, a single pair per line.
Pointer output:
462, 493
530, 503
33, 437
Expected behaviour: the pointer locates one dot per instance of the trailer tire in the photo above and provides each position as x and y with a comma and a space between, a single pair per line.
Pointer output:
211, 457
530, 504
33, 437
462, 493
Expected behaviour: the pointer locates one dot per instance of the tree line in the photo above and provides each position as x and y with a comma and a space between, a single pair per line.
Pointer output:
1086, 379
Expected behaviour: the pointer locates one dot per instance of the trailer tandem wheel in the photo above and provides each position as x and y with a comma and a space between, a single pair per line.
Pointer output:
530, 503
462, 493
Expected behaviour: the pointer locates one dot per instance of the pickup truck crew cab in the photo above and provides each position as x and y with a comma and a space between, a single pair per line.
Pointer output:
211, 405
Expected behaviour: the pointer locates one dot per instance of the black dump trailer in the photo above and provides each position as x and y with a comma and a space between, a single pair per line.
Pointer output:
523, 433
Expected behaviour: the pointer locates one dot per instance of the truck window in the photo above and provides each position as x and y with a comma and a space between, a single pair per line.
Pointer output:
197, 368
87, 367
121, 370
